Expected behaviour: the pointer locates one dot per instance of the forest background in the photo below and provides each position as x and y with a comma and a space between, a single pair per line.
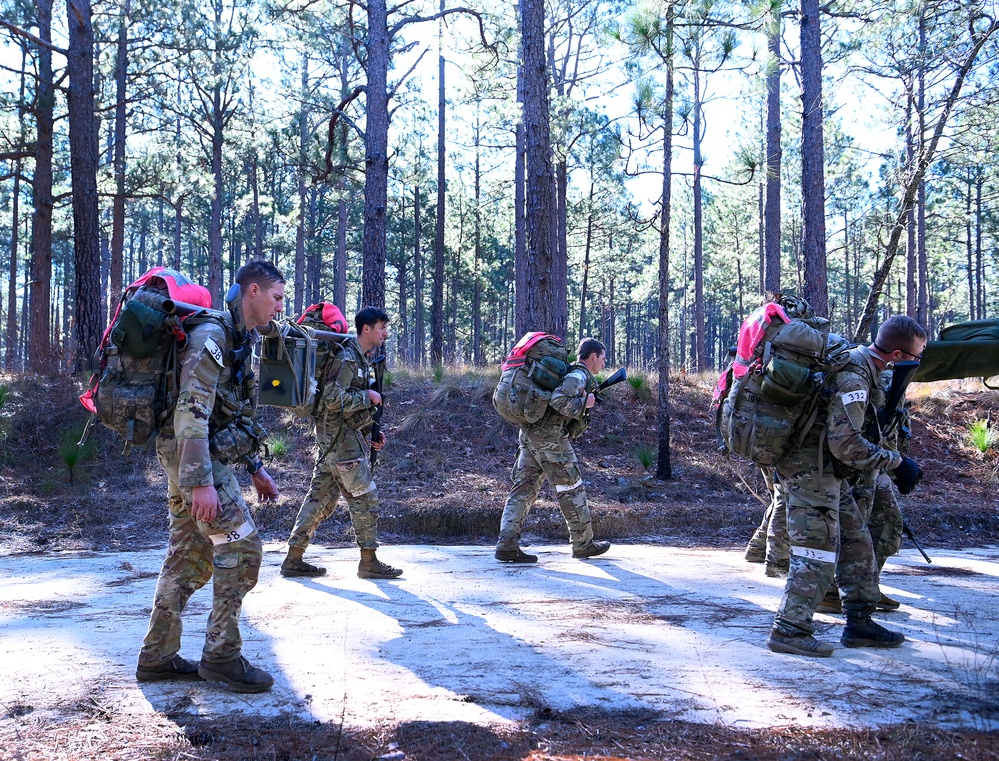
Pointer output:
638, 172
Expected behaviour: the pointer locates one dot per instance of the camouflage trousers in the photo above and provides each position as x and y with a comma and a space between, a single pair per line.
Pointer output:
546, 454
331, 477
228, 548
828, 537
876, 498
770, 538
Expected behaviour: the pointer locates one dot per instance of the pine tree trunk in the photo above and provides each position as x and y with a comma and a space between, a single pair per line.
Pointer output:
419, 329
303, 157
700, 347
664, 464
11, 335
437, 307
376, 155
771, 279
40, 289
544, 306
402, 273
520, 266
117, 250
83, 148
812, 161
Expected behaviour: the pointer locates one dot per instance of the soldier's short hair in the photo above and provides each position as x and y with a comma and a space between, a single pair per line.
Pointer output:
899, 332
369, 316
589, 347
263, 274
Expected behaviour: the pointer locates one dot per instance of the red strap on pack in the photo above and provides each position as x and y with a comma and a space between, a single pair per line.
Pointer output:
330, 315
518, 354
752, 331
177, 285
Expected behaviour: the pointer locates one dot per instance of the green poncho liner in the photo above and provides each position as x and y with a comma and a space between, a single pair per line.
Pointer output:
965, 350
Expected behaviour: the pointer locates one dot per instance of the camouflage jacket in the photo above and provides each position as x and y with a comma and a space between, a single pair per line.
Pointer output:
568, 412
207, 400
345, 412
854, 399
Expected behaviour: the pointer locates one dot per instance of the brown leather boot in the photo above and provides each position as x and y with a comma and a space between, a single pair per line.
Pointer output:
371, 567
293, 565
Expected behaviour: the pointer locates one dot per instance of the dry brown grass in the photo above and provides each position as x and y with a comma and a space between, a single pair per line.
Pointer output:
93, 731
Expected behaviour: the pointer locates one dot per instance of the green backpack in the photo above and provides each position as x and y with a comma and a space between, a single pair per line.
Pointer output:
532, 370
768, 399
134, 386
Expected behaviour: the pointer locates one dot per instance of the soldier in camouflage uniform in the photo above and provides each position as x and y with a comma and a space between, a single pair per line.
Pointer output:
826, 527
876, 499
211, 530
342, 421
546, 452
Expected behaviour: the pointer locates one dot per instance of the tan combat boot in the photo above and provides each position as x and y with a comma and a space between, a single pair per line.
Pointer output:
371, 567
293, 565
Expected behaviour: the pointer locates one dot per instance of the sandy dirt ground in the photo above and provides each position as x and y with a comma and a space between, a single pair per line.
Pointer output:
462, 637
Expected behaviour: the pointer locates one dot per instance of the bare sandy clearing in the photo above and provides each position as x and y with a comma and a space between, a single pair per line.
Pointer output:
461, 637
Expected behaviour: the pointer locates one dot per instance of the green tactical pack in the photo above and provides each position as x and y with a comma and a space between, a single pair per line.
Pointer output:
769, 397
532, 370
134, 386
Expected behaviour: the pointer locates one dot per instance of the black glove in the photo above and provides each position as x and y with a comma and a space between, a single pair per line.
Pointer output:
906, 475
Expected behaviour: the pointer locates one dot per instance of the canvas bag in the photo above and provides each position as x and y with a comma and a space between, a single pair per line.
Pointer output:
134, 385
530, 372
769, 397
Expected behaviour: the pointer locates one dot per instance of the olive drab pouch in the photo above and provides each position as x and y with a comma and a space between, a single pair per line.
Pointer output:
323, 316
768, 399
134, 386
288, 368
532, 370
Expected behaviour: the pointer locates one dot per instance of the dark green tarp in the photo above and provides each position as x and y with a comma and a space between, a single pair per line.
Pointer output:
967, 350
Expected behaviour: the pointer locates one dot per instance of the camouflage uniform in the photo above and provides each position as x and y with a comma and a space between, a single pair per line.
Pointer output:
228, 547
826, 528
873, 490
546, 452
341, 422
770, 541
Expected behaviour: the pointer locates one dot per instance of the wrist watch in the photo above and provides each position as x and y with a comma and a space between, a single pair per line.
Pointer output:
254, 466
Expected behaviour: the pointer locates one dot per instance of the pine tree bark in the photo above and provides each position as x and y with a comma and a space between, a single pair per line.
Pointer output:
664, 463
520, 267
544, 306
40, 290
303, 155
419, 328
771, 278
437, 307
88, 317
117, 249
376, 154
816, 290
700, 338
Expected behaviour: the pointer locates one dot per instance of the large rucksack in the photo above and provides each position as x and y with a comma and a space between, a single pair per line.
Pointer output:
134, 386
531, 371
769, 398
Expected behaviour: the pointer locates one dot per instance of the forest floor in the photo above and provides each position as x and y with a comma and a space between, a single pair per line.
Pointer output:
653, 651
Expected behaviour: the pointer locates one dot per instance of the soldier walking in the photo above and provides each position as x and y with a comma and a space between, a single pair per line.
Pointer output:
211, 530
546, 451
342, 422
